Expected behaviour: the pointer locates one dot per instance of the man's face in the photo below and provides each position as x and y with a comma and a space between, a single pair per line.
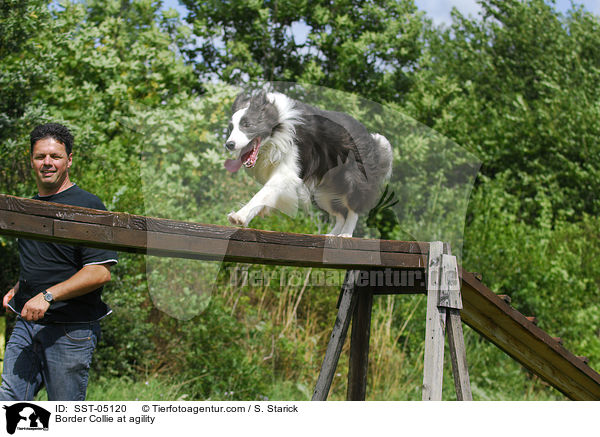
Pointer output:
51, 163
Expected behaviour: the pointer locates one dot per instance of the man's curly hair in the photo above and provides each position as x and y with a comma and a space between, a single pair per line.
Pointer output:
55, 131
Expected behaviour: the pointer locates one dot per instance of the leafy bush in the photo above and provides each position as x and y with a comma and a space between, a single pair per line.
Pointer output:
547, 270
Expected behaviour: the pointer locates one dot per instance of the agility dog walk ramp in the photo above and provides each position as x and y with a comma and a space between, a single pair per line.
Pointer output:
487, 313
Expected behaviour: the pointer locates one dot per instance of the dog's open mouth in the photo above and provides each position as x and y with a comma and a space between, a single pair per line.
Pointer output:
248, 157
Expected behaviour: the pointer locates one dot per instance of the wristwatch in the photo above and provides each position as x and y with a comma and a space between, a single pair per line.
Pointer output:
48, 296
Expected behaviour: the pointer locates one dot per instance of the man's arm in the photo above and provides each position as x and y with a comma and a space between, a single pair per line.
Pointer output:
87, 279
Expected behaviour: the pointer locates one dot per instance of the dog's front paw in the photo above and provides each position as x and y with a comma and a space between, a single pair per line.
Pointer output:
331, 234
236, 219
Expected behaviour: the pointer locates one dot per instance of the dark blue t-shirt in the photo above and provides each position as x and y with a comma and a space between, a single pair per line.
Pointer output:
46, 264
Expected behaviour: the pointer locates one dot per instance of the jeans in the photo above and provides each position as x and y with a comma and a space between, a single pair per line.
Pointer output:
56, 355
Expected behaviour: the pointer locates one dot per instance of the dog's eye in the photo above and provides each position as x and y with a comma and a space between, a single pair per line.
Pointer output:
244, 122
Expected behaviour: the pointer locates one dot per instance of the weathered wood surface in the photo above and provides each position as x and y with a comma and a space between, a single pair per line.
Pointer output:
164, 237
338, 336
450, 284
482, 310
435, 326
451, 304
359, 346
458, 355
494, 319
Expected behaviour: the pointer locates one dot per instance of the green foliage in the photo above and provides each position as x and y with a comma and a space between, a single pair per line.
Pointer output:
127, 344
27, 61
519, 89
549, 273
205, 352
362, 46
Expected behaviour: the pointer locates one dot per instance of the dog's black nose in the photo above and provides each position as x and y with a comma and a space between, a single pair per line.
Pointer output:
230, 145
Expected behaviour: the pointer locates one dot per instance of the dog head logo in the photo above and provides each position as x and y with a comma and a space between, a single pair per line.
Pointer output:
26, 416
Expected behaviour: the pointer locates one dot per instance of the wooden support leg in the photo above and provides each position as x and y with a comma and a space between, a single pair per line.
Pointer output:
359, 347
458, 356
451, 299
434, 329
338, 336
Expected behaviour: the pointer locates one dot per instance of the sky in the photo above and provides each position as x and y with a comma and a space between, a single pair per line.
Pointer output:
439, 10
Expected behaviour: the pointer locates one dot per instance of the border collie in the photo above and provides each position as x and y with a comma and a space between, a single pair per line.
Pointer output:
299, 152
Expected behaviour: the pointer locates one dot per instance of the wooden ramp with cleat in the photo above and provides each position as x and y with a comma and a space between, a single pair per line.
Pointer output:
387, 267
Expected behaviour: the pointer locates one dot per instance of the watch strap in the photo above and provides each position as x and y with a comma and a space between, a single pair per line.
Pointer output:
48, 296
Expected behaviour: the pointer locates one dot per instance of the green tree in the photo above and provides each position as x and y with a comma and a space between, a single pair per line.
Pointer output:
363, 46
519, 87
26, 66
116, 77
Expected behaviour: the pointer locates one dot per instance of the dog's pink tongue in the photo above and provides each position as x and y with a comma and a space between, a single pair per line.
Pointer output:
233, 165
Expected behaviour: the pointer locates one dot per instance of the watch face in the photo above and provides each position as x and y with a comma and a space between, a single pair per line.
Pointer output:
48, 297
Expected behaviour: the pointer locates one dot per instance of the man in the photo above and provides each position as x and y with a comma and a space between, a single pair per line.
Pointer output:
58, 295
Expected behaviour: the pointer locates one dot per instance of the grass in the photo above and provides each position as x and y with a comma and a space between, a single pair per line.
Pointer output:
395, 363
151, 388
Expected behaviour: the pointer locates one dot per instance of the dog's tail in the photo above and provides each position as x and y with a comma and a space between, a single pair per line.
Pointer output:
386, 154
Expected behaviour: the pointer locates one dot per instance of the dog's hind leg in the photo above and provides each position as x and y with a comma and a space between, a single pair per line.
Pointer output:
339, 225
349, 224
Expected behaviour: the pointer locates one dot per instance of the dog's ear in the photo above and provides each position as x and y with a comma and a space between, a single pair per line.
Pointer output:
240, 102
261, 98
260, 102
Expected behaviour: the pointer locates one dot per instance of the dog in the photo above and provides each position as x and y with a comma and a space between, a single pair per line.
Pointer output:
302, 153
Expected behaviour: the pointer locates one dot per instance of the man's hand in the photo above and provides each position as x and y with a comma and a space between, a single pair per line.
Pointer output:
35, 308
8, 297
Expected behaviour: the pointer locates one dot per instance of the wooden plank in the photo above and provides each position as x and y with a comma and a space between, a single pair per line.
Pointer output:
394, 281
55, 210
508, 329
190, 246
531, 358
338, 336
434, 328
23, 225
169, 226
359, 346
450, 299
191, 240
